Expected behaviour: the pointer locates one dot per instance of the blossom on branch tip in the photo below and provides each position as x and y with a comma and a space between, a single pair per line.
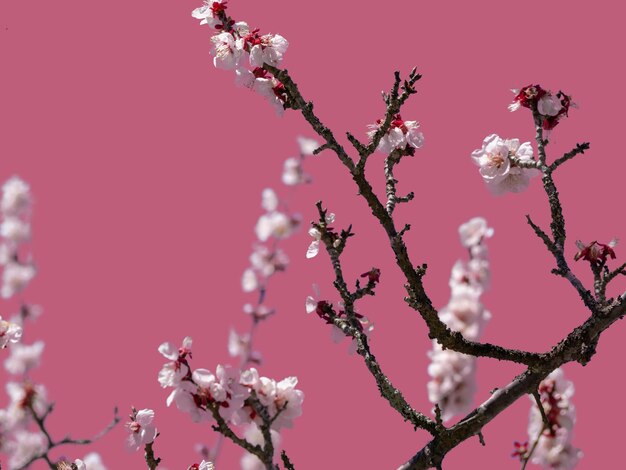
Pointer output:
521, 450
293, 173
307, 146
500, 173
594, 252
141, 429
15, 277
552, 108
172, 373
314, 248
91, 461
208, 13
23, 358
401, 135
474, 231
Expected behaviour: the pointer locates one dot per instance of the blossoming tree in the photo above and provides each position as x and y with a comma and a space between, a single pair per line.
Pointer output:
505, 164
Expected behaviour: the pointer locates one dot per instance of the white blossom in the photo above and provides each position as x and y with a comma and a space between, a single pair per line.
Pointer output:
307, 146
270, 51
141, 429
293, 173
16, 277
255, 437
549, 105
23, 357
9, 333
15, 229
274, 224
400, 135
16, 196
498, 171
205, 13
226, 51
474, 231
554, 449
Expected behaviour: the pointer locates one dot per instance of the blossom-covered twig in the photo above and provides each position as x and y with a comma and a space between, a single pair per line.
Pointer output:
506, 166
351, 326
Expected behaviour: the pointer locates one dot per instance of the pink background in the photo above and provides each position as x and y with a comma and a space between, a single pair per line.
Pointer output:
147, 166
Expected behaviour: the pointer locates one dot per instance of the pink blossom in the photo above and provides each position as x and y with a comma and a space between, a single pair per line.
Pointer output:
401, 135
594, 252
226, 51
141, 429
209, 12
498, 171
268, 49
16, 277
474, 231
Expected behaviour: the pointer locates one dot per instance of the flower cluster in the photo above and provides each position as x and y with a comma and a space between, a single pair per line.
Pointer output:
404, 135
552, 108
554, 448
594, 252
235, 46
234, 396
453, 382
504, 164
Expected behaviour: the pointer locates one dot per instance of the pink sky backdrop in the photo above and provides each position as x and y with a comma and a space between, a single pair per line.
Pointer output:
147, 166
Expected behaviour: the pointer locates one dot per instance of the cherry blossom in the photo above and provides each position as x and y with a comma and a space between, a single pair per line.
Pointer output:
554, 449
268, 49
282, 400
16, 196
314, 248
204, 465
499, 172
594, 252
24, 397
293, 173
172, 373
552, 108
401, 135
208, 12
141, 429
24, 446
254, 436
9, 333
91, 461
16, 277
453, 382
474, 231
226, 51
15, 229
258, 312
23, 358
